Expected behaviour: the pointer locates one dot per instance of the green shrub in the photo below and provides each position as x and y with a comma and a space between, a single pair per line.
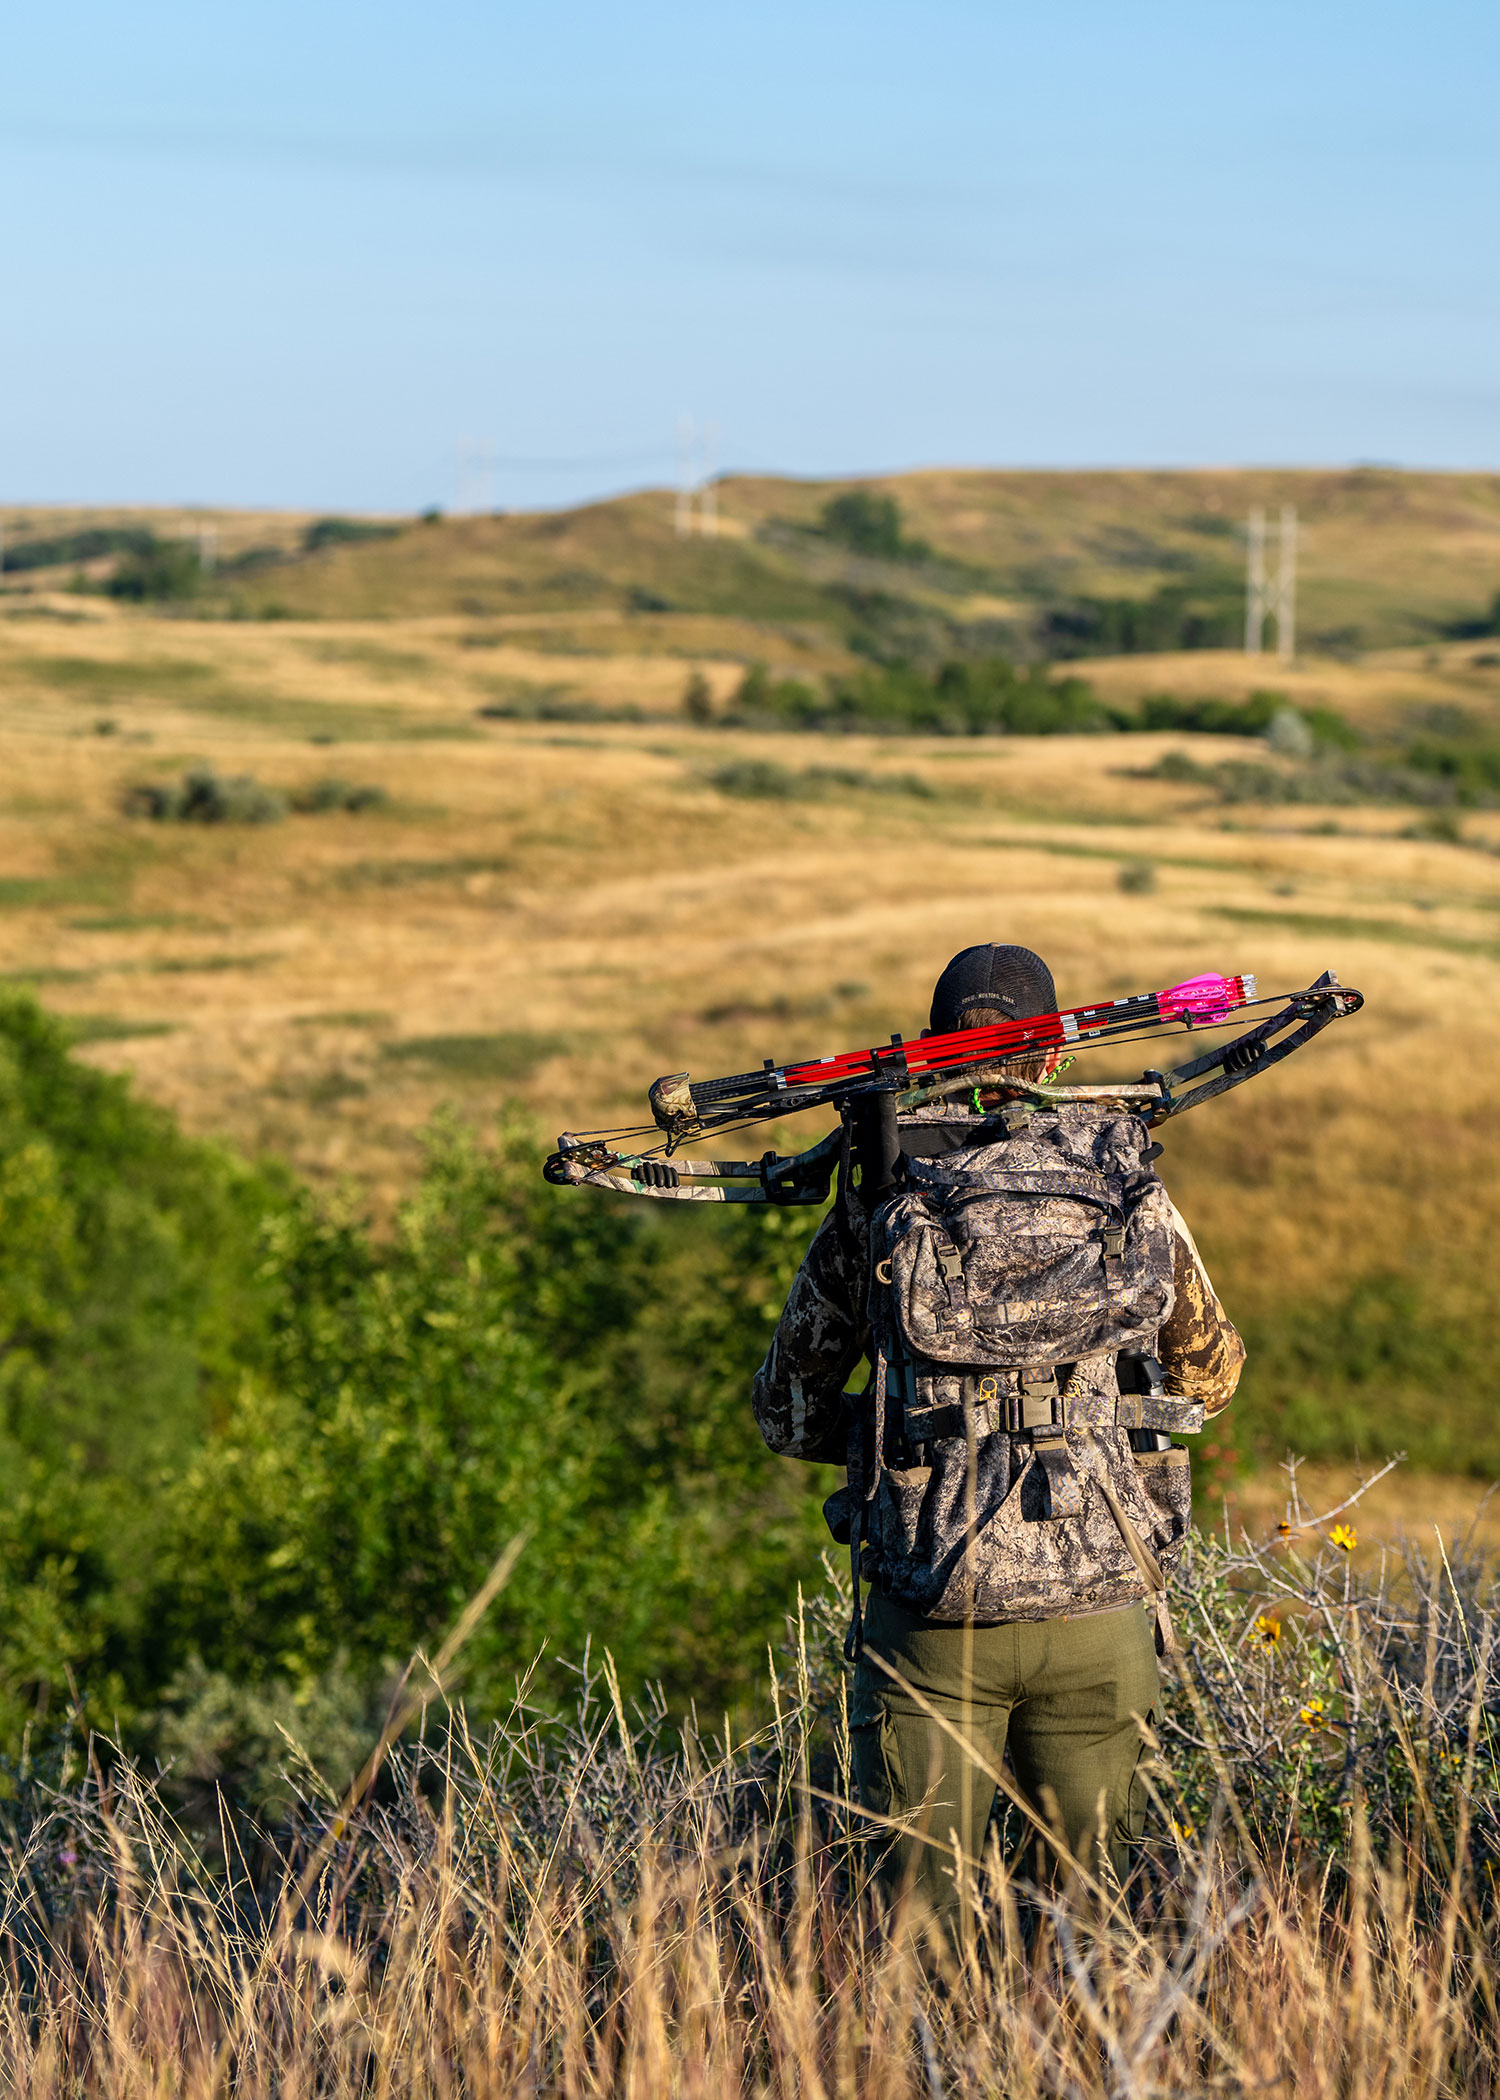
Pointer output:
779, 702
165, 569
1256, 716
698, 698
1349, 781
869, 524
762, 780
964, 699
1471, 764
1137, 878
203, 797
1206, 614
988, 696
131, 1300
332, 793
343, 532
509, 1360
246, 1441
88, 544
1440, 828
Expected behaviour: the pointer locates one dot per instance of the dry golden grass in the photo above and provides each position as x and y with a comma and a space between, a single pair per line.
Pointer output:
488, 1975
606, 1907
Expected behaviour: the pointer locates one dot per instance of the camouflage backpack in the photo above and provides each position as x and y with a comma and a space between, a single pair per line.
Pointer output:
999, 1468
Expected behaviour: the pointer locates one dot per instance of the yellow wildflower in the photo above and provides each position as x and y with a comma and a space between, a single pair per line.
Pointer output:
1268, 1629
1311, 1715
1183, 1830
1345, 1537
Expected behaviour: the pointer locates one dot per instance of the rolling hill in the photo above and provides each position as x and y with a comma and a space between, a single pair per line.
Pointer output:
1028, 565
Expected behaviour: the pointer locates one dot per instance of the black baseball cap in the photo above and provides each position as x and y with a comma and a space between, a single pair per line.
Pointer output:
1009, 983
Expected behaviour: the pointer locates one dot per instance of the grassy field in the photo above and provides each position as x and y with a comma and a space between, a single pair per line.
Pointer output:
551, 912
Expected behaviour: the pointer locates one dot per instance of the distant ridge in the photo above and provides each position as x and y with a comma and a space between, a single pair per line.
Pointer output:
1015, 560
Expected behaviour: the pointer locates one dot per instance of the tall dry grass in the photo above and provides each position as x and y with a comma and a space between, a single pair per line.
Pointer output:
616, 1902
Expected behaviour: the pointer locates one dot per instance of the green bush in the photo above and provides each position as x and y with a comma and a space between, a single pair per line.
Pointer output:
698, 698
166, 569
762, 780
331, 793
869, 524
131, 1301
204, 797
1347, 782
991, 698
988, 696
343, 532
964, 699
1256, 716
1206, 614
55, 549
244, 1436
1136, 878
1472, 766
510, 1360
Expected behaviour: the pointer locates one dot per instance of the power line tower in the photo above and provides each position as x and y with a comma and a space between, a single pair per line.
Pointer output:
1268, 597
697, 504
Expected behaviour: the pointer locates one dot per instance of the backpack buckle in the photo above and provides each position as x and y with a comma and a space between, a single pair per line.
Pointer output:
1039, 1401
1113, 1237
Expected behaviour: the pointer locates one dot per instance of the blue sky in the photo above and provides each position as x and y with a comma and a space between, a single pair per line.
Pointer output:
301, 254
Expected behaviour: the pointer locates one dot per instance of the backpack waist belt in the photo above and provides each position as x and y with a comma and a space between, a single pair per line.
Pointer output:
1035, 1407
996, 1400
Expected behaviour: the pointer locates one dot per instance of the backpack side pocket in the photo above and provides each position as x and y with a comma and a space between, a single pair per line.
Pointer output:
1166, 1482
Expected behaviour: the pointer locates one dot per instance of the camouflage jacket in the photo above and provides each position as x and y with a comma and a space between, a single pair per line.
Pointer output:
1016, 1564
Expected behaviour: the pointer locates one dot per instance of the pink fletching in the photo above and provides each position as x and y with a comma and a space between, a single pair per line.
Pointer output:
1201, 998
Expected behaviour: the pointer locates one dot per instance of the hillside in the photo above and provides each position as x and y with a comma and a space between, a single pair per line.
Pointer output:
1023, 564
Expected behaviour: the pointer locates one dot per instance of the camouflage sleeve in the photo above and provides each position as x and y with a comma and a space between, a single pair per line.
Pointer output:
1200, 1350
819, 1339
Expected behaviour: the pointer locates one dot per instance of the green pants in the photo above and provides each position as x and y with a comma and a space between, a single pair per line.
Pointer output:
1062, 1695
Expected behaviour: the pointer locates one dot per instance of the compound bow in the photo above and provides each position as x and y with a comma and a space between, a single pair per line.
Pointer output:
933, 1069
